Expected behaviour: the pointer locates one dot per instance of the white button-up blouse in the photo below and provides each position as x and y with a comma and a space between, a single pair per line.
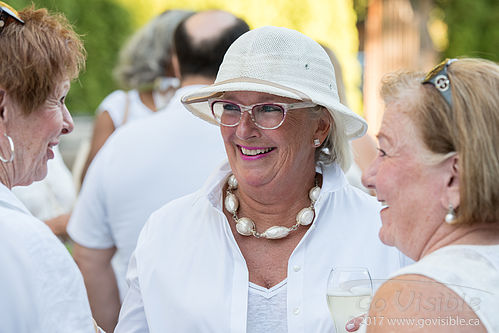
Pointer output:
187, 273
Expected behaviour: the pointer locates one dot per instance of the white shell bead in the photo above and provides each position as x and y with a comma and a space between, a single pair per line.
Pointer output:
245, 226
314, 193
305, 216
232, 182
231, 203
275, 232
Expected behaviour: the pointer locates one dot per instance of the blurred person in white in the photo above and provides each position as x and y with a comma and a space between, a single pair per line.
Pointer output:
145, 70
148, 163
52, 198
251, 250
39, 54
437, 175
363, 148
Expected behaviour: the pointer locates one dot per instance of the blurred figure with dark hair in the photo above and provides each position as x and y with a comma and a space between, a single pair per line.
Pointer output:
146, 164
145, 70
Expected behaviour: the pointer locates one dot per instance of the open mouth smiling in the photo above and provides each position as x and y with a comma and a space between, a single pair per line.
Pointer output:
254, 151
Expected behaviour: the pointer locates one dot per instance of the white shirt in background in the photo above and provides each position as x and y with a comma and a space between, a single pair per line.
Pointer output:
142, 166
116, 103
52, 196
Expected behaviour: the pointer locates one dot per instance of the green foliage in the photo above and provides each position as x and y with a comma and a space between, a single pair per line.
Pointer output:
360, 7
473, 27
104, 26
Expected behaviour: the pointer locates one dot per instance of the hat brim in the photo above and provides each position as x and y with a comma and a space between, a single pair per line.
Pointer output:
197, 102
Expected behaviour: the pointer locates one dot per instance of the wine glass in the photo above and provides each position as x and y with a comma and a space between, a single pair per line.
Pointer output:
349, 293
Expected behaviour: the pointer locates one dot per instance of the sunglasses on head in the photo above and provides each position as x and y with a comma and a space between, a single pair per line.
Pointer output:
8, 15
439, 78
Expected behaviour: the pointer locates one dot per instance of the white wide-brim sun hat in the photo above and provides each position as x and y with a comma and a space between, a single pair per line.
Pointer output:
281, 62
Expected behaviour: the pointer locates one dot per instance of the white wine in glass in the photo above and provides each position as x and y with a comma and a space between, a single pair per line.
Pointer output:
349, 293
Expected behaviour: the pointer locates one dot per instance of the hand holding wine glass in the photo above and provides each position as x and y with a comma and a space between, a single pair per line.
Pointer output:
349, 293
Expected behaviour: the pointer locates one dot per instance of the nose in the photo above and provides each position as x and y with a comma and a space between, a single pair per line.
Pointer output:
246, 128
67, 122
369, 175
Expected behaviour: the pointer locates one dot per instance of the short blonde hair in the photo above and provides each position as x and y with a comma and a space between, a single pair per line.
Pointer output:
468, 128
36, 56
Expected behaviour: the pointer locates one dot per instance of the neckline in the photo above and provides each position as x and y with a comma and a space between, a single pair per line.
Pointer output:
267, 292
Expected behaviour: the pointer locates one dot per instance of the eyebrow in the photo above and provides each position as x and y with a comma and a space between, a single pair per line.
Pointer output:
380, 136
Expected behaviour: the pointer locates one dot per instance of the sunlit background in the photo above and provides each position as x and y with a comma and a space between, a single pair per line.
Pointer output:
369, 37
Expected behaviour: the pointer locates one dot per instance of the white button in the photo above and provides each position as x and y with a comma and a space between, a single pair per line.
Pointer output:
296, 311
297, 268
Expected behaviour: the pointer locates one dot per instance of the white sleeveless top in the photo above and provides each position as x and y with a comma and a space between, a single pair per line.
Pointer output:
471, 271
267, 309
116, 104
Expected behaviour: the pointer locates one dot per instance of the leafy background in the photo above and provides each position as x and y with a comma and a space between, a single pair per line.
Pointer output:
465, 28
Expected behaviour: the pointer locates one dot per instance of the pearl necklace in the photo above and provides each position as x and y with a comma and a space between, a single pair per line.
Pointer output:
246, 227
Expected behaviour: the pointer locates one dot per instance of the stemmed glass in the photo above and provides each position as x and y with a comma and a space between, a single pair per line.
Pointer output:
349, 293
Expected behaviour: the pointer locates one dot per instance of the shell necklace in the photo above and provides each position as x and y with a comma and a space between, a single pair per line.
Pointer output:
246, 227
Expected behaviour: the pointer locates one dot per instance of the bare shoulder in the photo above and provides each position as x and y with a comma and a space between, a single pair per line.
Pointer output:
415, 303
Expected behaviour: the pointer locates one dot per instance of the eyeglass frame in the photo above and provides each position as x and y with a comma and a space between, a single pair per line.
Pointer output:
7, 16
249, 108
439, 78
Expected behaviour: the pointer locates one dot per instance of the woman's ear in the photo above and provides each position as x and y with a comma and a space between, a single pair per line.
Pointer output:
323, 125
451, 195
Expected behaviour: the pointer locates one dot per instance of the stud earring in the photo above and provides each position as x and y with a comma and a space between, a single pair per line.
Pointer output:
450, 217
317, 142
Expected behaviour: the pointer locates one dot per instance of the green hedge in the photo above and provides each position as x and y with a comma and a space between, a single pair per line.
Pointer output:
473, 27
104, 26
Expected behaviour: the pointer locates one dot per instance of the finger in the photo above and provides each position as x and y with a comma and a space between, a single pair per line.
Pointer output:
354, 324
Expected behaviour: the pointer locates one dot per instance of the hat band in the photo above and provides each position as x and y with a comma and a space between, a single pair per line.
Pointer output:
304, 97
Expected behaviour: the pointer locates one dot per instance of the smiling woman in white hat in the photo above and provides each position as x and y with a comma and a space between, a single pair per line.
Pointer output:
251, 251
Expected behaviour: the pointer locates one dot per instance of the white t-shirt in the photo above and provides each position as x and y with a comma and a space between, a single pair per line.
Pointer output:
115, 105
471, 271
142, 166
41, 279
52, 196
187, 273
267, 310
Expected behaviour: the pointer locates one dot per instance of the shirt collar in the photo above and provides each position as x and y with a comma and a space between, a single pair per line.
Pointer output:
333, 179
8, 199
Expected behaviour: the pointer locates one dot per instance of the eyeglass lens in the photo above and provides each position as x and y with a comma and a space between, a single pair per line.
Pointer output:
264, 115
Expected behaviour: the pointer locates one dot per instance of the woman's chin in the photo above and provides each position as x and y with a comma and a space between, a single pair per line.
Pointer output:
385, 237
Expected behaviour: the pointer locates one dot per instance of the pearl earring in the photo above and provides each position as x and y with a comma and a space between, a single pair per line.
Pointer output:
450, 217
317, 142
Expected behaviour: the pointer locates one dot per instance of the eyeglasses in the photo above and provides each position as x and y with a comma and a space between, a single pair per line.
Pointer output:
265, 116
7, 16
439, 79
